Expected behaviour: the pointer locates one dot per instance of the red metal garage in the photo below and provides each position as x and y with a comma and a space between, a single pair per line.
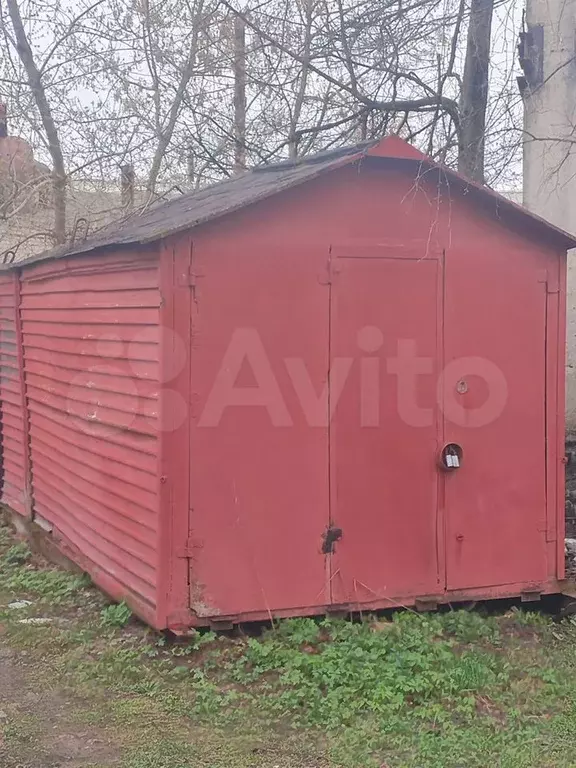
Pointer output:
330, 384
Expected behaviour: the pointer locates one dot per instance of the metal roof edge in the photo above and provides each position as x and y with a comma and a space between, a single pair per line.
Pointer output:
518, 210
64, 251
486, 193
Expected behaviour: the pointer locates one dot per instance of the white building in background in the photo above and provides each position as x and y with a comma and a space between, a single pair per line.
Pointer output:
548, 56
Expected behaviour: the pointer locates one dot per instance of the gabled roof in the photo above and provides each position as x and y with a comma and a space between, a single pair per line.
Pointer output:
199, 207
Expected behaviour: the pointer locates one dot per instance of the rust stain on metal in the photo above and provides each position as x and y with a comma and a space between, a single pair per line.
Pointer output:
198, 603
331, 535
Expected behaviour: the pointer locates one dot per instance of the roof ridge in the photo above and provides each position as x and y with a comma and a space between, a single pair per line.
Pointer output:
317, 157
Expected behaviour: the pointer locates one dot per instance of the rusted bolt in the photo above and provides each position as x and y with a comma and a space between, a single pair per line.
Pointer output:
163, 478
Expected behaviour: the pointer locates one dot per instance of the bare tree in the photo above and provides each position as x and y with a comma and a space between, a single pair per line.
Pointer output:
356, 67
36, 84
103, 84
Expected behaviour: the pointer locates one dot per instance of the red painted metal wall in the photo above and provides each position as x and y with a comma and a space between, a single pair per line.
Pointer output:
91, 339
15, 485
377, 250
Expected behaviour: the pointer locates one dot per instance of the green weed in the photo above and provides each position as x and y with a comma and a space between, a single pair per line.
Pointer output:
332, 673
52, 585
530, 618
116, 615
439, 690
471, 627
17, 554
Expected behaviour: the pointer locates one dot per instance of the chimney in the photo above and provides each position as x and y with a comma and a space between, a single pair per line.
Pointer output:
3, 121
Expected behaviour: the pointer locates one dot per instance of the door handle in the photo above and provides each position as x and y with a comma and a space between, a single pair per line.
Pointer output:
451, 457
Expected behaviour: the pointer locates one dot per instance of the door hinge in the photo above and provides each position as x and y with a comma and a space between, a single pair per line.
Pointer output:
332, 269
188, 549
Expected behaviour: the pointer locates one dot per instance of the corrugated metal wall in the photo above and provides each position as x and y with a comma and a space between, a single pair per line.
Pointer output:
13, 426
91, 358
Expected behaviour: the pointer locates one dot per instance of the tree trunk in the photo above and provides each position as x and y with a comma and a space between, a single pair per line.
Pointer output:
127, 178
39, 94
166, 131
239, 94
474, 98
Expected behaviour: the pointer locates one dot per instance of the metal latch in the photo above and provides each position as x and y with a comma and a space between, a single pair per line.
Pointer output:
188, 549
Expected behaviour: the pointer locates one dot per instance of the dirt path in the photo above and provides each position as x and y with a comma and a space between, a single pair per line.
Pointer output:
36, 723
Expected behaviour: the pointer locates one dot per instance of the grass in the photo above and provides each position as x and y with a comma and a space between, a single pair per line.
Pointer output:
442, 690
18, 576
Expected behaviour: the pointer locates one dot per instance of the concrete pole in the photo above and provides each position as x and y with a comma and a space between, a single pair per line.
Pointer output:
547, 54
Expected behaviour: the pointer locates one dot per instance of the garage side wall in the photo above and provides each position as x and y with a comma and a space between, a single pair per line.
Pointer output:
13, 420
91, 363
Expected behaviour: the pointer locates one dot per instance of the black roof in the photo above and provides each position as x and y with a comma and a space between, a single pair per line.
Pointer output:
194, 208
203, 205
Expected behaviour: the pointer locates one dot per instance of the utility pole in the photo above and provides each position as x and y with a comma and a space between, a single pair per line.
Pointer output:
548, 58
475, 83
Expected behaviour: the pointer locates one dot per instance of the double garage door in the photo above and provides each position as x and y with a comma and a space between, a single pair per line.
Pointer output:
416, 467
448, 491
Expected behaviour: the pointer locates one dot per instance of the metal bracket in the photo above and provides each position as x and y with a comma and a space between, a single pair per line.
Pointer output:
531, 57
531, 596
425, 604
223, 624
